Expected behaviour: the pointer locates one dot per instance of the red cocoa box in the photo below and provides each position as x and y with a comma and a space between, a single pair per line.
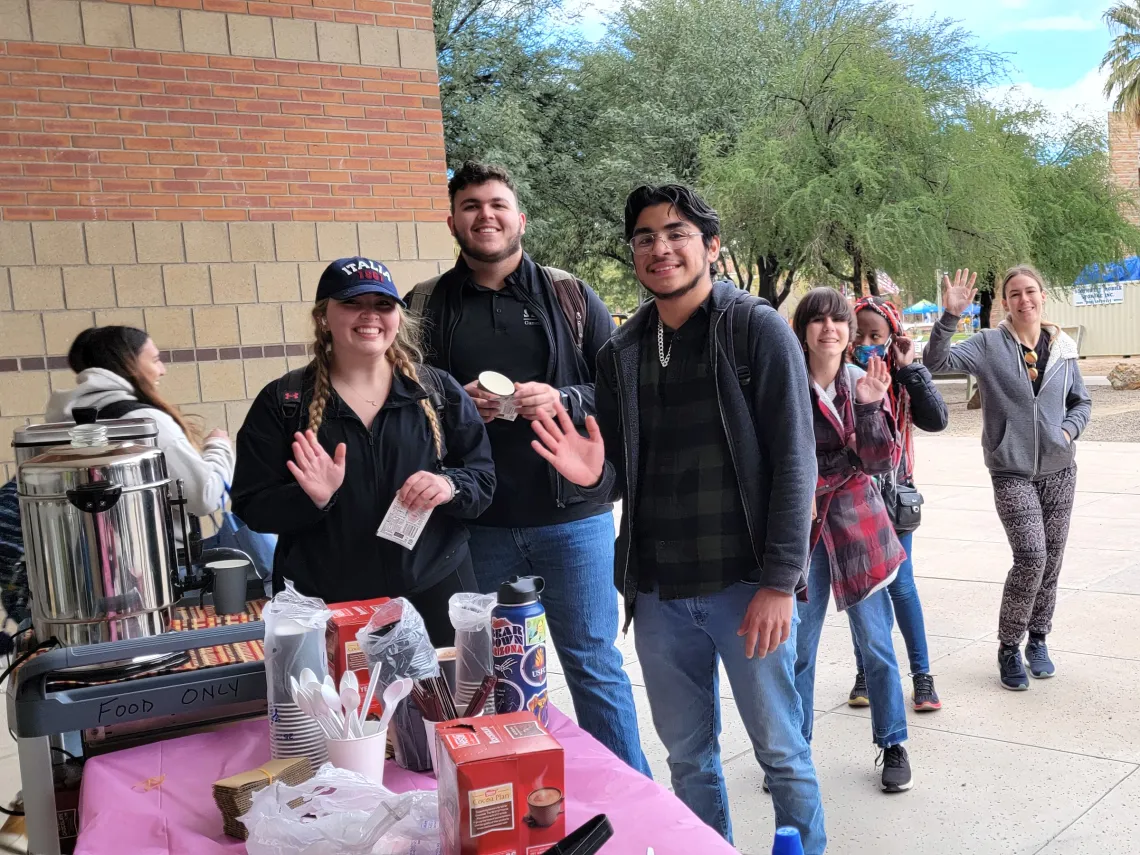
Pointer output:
502, 786
344, 653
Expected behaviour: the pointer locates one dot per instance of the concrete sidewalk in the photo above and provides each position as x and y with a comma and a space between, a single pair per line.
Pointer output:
1050, 771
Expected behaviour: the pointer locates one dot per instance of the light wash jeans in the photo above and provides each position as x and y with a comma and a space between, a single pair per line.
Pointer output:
576, 561
679, 643
871, 621
908, 612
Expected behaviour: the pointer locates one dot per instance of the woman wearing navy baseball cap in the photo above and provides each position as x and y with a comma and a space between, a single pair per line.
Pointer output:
365, 432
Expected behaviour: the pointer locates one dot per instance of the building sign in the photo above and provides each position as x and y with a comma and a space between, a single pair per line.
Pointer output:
1098, 295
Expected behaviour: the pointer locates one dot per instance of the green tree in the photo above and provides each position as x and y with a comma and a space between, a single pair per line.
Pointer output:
1123, 58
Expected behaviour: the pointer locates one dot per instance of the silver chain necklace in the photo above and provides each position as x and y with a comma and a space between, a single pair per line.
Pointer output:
662, 354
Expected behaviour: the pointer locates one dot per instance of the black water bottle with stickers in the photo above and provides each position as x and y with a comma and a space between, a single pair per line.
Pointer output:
518, 644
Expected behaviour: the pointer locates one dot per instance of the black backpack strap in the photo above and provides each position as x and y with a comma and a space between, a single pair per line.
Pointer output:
739, 334
420, 294
431, 383
572, 298
119, 409
289, 392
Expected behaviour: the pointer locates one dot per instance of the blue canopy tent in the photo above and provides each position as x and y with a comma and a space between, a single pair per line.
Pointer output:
922, 307
1127, 270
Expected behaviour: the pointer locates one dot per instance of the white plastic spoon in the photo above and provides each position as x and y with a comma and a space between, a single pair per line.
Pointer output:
306, 677
332, 701
350, 700
391, 698
309, 707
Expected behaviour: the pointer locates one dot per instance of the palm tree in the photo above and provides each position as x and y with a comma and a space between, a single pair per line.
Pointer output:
1123, 58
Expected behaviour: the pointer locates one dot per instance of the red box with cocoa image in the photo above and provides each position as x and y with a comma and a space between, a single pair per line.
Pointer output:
501, 786
343, 650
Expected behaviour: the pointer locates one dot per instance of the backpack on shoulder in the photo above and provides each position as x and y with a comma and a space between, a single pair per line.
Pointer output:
568, 290
290, 389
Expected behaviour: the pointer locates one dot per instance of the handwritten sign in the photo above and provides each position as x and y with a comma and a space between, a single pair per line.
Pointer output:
112, 710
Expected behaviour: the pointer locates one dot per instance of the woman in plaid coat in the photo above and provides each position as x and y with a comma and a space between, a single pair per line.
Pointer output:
855, 551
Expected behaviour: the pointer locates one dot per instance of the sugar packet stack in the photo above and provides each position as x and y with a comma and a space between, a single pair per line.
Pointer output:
234, 795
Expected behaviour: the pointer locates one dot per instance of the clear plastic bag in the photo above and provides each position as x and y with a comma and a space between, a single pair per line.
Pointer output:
471, 616
396, 642
294, 640
334, 813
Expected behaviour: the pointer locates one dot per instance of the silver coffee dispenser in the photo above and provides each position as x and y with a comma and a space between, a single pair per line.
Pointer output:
98, 537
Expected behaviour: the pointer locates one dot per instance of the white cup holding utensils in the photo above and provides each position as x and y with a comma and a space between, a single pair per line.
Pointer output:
365, 756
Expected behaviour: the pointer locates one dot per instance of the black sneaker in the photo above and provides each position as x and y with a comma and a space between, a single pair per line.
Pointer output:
859, 696
896, 769
1013, 675
925, 698
1037, 658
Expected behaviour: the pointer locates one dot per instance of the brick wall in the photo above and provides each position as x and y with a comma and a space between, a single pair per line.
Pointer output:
1124, 157
189, 166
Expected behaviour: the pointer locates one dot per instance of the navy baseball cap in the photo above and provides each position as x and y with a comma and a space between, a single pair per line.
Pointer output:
346, 278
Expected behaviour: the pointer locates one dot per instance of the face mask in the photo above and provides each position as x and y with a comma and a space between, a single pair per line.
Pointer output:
863, 352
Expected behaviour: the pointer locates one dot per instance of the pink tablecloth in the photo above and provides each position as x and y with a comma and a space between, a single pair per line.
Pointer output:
178, 817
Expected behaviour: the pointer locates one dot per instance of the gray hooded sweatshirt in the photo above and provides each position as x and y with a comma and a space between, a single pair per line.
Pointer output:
1021, 432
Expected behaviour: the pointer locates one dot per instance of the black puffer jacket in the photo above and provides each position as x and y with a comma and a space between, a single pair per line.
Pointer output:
928, 412
334, 553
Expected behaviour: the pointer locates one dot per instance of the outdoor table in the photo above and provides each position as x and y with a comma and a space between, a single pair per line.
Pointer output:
157, 799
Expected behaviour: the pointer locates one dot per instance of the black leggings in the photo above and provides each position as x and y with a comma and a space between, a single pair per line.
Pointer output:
432, 603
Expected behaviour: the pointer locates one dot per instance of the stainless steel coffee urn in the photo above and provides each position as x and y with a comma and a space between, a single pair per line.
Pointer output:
34, 440
99, 538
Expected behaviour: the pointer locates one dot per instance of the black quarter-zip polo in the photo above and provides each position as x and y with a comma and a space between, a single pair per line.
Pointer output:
334, 553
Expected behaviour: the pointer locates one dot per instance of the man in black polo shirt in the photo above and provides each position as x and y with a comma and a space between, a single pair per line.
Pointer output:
717, 467
497, 310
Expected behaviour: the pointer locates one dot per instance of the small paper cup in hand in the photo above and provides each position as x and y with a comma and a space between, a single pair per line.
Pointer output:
496, 384
364, 756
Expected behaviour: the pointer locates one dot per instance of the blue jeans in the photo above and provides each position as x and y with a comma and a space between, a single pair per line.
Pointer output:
871, 621
908, 612
576, 560
678, 645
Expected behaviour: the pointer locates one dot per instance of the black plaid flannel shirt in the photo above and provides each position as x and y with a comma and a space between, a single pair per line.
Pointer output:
692, 534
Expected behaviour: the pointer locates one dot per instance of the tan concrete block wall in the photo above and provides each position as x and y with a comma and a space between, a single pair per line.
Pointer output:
226, 327
192, 171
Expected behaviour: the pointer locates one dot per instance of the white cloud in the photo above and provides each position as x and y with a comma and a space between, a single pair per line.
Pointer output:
1084, 99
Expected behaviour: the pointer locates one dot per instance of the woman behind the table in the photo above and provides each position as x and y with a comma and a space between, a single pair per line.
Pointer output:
118, 371
914, 402
323, 470
1034, 407
855, 552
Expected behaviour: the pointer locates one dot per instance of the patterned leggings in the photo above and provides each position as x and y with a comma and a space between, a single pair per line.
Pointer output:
1036, 518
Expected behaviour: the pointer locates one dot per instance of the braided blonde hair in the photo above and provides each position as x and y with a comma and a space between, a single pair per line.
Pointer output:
404, 354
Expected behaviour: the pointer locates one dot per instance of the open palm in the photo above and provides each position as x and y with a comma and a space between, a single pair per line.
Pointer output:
318, 474
579, 459
873, 385
959, 294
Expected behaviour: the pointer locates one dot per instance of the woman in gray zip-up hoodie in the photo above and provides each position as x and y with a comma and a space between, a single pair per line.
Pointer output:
1034, 407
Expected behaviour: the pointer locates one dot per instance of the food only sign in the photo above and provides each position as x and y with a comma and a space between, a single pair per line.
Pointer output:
1101, 294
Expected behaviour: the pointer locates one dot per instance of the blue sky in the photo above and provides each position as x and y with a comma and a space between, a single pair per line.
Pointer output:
1054, 46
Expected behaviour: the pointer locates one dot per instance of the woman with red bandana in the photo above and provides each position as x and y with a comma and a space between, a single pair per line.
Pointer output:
914, 400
